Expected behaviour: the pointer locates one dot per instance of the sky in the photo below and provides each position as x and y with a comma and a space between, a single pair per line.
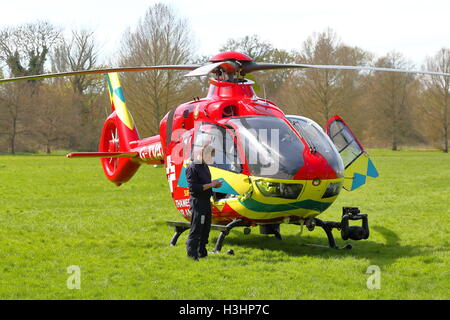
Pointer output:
416, 28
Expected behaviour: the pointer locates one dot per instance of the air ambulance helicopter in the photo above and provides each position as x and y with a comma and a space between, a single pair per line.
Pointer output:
275, 168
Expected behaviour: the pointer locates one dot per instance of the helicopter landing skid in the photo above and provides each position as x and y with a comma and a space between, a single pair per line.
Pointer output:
181, 226
347, 232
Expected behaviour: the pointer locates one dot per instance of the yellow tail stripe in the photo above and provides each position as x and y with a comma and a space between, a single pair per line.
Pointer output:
118, 100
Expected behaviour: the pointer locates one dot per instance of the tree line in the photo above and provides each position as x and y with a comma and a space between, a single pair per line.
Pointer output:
387, 110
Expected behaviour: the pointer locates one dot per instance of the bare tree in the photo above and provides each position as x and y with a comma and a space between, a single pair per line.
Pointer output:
392, 98
56, 121
252, 46
354, 87
320, 88
437, 95
80, 53
320, 94
160, 38
25, 48
268, 84
15, 113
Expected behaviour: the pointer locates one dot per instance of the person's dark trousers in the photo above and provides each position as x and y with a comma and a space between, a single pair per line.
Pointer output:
200, 228
202, 252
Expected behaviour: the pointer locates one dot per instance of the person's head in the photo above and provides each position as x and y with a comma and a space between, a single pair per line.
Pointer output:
204, 154
208, 154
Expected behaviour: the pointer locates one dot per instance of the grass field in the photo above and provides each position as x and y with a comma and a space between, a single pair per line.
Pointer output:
55, 213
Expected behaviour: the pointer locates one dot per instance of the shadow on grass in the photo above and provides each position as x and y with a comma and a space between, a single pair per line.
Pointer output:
378, 253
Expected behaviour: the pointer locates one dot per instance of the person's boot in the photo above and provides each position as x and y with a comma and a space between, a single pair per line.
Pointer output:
202, 252
195, 258
193, 254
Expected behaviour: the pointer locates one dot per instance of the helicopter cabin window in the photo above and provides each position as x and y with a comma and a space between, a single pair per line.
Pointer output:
272, 149
229, 111
222, 142
187, 139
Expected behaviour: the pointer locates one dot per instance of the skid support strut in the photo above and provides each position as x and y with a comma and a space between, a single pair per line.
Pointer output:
181, 226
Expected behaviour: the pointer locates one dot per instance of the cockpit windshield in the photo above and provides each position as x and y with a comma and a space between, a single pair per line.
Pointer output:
272, 149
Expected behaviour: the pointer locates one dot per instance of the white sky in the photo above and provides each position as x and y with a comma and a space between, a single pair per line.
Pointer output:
416, 28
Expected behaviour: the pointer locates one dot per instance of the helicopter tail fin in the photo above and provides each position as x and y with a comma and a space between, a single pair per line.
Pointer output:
357, 163
119, 131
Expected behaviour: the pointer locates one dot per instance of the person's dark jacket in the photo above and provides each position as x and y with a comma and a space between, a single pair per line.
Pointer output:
198, 175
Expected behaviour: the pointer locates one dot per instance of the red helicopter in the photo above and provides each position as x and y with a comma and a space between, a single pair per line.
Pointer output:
274, 168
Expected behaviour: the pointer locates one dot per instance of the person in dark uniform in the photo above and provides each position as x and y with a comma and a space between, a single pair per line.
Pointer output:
200, 188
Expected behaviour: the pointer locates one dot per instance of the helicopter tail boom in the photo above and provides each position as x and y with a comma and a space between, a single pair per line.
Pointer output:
121, 151
102, 155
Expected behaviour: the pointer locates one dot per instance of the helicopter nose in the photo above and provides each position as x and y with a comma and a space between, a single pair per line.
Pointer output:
316, 168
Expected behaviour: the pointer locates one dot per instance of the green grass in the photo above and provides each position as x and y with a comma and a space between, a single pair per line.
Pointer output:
56, 212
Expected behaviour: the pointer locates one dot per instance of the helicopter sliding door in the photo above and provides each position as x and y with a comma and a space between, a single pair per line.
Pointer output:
358, 165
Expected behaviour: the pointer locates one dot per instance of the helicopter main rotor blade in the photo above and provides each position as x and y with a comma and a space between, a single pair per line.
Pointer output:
251, 67
101, 71
228, 66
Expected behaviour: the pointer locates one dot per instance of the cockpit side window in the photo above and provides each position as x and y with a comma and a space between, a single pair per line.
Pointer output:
220, 140
314, 135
